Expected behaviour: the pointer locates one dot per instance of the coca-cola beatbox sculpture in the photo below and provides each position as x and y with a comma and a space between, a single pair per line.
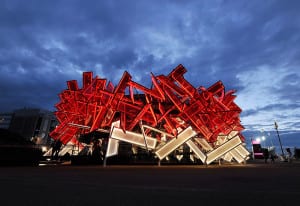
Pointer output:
159, 119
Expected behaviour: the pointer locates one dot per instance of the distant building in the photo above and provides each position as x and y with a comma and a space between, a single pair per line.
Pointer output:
33, 124
5, 120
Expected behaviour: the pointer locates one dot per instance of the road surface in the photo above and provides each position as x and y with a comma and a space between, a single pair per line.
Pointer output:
230, 184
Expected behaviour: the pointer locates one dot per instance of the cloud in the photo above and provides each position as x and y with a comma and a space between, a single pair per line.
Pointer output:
250, 46
267, 95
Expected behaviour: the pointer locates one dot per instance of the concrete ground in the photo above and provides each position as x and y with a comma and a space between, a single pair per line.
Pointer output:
254, 183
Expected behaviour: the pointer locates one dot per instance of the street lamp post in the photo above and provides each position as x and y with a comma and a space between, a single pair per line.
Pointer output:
253, 155
276, 127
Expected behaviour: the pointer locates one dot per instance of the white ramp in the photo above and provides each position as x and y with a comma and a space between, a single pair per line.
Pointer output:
236, 156
228, 157
204, 144
133, 138
196, 150
112, 147
223, 149
242, 151
113, 144
170, 146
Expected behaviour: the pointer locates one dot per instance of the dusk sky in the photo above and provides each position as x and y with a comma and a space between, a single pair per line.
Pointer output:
251, 46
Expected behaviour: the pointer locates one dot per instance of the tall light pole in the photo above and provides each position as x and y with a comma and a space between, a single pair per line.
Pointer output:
253, 155
276, 127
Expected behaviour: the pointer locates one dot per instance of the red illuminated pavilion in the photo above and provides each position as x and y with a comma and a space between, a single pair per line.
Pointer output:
172, 104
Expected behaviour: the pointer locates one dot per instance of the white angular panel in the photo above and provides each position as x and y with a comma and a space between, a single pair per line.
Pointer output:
113, 144
204, 144
144, 134
170, 146
48, 153
112, 147
236, 156
242, 151
66, 149
157, 130
223, 149
221, 139
232, 134
228, 157
196, 150
133, 138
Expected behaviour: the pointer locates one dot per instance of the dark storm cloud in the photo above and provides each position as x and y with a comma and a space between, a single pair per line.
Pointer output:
45, 43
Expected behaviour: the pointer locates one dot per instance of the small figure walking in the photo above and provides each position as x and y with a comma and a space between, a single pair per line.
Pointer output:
289, 156
56, 145
266, 154
272, 157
